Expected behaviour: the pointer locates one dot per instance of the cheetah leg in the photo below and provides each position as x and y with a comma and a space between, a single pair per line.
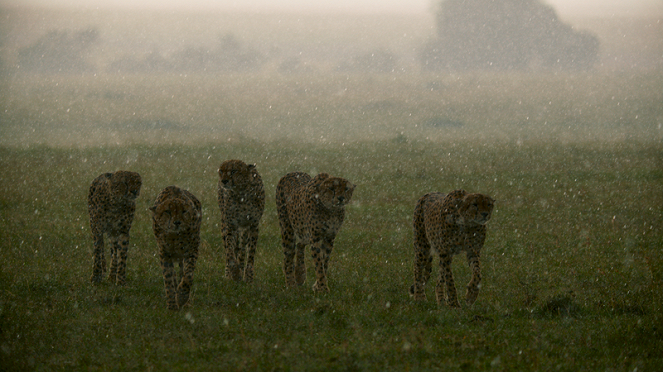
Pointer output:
320, 252
328, 248
422, 270
473, 285
300, 264
446, 283
98, 258
251, 240
184, 288
240, 251
428, 268
288, 242
232, 266
180, 273
169, 282
114, 243
422, 256
122, 247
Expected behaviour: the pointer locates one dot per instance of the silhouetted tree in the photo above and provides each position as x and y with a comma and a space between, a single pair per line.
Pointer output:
59, 52
380, 61
504, 35
227, 55
152, 62
230, 55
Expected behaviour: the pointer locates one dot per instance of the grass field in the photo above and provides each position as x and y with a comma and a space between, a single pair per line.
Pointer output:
572, 267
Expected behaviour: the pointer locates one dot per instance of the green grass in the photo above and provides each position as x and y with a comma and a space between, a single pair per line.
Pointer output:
572, 267
572, 270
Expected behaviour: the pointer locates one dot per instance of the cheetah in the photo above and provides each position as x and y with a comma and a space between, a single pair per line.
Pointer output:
111, 206
449, 224
176, 219
311, 212
241, 198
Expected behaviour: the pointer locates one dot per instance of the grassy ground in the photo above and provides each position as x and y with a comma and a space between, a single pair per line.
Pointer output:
572, 265
110, 110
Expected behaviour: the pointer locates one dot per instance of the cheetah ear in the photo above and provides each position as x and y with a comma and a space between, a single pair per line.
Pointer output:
153, 209
252, 169
317, 185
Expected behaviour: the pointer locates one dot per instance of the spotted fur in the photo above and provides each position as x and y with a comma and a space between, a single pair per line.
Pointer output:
111, 206
176, 218
241, 198
311, 212
449, 224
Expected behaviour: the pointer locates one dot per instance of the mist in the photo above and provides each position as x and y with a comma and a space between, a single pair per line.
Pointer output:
83, 74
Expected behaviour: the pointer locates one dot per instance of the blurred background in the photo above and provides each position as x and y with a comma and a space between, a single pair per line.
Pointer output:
433, 56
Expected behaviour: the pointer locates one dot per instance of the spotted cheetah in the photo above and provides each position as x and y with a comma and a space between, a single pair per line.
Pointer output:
449, 224
311, 212
176, 219
241, 198
111, 206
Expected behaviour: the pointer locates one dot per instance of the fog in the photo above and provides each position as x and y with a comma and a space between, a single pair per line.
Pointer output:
84, 73
566, 8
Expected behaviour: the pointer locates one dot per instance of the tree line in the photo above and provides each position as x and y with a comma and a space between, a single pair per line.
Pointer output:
471, 35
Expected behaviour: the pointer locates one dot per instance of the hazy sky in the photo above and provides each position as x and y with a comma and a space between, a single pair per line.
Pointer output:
563, 7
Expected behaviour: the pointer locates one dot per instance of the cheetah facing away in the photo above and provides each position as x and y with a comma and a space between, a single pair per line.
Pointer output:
311, 212
449, 224
111, 205
241, 198
176, 218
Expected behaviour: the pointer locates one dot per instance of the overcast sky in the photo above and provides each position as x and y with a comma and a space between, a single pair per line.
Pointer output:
563, 7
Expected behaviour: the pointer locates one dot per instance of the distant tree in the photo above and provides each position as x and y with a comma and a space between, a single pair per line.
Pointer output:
505, 35
59, 52
229, 43
193, 59
152, 62
294, 65
227, 55
379, 61
230, 55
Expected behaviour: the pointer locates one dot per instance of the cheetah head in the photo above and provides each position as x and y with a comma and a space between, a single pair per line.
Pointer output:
236, 174
175, 214
334, 192
475, 209
125, 185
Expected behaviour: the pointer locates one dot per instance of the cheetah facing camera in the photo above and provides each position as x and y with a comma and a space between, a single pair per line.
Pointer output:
241, 198
176, 217
111, 205
449, 224
311, 212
